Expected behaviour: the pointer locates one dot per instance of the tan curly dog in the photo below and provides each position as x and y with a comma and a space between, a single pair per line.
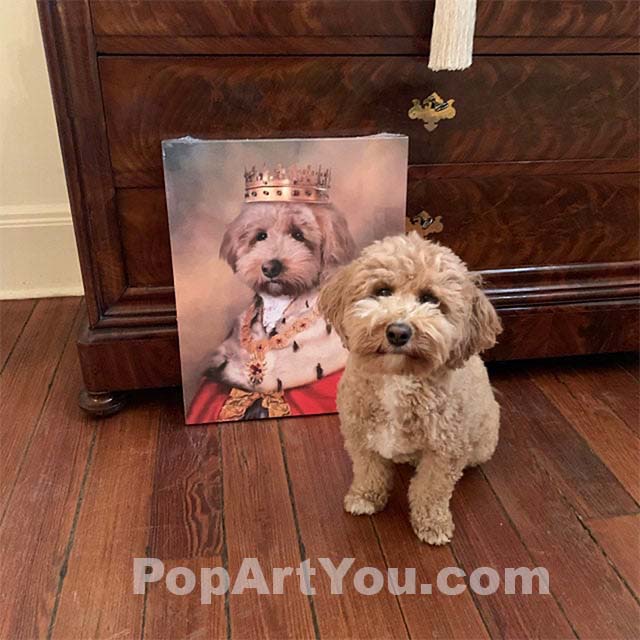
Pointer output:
414, 389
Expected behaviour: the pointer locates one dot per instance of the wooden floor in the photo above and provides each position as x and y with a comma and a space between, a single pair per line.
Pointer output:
80, 498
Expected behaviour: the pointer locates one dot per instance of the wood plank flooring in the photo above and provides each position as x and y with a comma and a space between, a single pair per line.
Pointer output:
80, 498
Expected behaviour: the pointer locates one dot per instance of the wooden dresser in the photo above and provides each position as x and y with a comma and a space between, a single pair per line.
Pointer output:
534, 181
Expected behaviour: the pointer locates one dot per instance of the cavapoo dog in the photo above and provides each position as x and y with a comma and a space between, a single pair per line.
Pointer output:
280, 357
414, 388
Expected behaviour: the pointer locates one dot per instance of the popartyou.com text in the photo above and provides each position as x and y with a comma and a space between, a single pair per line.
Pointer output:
212, 582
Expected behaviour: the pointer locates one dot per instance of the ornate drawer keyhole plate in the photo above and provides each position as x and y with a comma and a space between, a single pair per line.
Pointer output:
424, 224
432, 110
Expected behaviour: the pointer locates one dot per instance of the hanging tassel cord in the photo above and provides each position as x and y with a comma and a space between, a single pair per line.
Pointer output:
452, 35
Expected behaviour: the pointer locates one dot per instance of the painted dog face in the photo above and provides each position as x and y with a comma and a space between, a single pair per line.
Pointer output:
286, 248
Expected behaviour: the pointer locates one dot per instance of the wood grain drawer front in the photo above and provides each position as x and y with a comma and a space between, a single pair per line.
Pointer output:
521, 220
508, 108
493, 222
144, 229
514, 18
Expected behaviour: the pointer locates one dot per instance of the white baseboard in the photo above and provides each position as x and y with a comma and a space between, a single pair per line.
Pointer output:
38, 256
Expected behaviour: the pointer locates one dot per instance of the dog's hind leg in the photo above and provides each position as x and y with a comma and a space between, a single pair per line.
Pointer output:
487, 437
372, 479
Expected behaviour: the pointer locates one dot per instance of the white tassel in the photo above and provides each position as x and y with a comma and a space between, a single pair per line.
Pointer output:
452, 35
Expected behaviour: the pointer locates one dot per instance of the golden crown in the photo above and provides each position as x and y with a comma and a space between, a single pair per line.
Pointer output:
287, 185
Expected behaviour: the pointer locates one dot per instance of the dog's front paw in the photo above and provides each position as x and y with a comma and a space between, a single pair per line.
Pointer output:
436, 531
361, 504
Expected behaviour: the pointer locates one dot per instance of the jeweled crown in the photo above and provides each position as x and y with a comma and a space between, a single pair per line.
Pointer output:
287, 185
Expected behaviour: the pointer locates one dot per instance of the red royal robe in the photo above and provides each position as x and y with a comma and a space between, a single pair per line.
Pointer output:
310, 399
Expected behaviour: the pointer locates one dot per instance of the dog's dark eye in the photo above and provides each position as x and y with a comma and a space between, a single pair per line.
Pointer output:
261, 235
383, 292
296, 234
427, 297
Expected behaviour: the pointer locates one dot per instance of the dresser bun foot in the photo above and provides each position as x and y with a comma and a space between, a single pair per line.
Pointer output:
101, 404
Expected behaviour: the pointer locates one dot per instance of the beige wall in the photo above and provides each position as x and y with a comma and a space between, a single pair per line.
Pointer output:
37, 250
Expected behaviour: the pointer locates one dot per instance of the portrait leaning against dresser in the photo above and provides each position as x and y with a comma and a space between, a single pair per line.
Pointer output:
257, 226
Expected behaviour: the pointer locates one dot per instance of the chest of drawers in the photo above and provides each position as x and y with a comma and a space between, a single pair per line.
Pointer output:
534, 181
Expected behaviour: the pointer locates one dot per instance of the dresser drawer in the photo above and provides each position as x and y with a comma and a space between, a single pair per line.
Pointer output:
519, 18
518, 108
519, 218
528, 215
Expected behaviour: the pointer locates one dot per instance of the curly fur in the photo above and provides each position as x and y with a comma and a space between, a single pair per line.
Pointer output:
428, 401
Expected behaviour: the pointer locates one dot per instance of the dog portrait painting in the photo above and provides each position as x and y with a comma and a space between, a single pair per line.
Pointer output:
256, 228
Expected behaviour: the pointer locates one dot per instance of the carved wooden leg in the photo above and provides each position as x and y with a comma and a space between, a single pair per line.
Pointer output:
101, 404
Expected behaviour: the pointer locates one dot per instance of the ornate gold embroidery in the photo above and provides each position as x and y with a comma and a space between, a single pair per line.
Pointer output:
239, 400
257, 349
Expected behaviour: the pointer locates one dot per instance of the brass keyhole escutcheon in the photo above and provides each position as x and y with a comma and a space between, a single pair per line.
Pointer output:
424, 223
432, 110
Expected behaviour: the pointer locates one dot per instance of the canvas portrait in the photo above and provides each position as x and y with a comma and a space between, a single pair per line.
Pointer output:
256, 227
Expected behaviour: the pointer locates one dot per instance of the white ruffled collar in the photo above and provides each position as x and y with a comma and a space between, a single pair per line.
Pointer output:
273, 307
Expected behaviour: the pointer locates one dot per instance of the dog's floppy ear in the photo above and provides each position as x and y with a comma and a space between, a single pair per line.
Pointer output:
338, 246
332, 300
229, 245
483, 327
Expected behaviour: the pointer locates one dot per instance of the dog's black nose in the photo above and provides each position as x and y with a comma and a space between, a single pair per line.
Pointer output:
398, 334
272, 268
